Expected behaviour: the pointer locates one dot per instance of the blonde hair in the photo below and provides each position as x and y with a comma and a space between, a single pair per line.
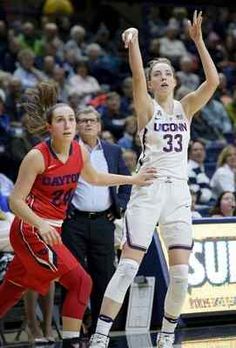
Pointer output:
222, 158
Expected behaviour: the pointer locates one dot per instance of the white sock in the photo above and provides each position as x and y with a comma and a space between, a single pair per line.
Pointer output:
169, 325
104, 325
70, 334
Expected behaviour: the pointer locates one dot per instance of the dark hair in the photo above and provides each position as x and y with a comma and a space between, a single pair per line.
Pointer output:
39, 104
190, 146
155, 61
216, 209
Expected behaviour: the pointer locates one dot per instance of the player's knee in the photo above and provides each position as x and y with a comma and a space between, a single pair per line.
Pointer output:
122, 279
78, 281
177, 289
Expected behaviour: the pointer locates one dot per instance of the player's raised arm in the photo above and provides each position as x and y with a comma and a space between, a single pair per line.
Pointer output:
197, 99
142, 101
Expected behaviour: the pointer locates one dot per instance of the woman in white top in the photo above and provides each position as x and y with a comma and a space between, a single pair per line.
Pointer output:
164, 128
224, 177
83, 84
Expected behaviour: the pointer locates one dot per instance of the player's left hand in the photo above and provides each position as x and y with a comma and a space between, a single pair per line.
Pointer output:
145, 177
195, 28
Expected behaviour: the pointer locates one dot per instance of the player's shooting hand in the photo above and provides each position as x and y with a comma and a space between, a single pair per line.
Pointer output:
49, 234
129, 36
195, 28
145, 176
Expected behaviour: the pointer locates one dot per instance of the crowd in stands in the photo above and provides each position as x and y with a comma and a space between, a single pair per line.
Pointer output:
90, 67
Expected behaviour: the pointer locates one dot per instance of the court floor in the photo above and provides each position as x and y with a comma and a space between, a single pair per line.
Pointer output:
223, 336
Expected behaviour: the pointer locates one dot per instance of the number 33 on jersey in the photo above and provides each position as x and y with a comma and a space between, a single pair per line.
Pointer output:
165, 142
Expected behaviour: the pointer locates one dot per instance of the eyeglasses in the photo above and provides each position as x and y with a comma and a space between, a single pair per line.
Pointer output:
87, 120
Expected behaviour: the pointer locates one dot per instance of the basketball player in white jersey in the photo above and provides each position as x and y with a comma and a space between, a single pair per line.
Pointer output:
164, 126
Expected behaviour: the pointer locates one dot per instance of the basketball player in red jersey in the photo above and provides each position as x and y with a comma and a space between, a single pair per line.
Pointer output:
46, 181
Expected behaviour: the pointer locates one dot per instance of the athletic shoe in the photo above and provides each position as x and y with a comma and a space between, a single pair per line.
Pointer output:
99, 341
165, 340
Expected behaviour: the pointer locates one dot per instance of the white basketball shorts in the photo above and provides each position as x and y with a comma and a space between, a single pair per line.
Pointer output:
166, 202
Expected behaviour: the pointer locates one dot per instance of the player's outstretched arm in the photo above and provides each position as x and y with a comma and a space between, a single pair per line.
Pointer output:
142, 101
197, 99
142, 178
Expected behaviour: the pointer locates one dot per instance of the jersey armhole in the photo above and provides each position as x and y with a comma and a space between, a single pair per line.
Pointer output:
45, 154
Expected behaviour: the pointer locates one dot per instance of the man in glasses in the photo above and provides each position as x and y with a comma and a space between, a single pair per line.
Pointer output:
88, 231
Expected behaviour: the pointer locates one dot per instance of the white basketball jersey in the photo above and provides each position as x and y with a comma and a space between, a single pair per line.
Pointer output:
165, 142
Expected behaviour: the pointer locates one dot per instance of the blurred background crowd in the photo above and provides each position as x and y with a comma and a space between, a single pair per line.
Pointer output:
82, 51
78, 45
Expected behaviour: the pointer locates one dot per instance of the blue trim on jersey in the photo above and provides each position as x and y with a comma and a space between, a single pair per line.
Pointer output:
49, 144
179, 246
144, 146
130, 244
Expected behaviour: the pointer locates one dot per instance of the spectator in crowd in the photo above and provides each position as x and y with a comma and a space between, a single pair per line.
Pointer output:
195, 213
154, 48
198, 180
130, 159
185, 75
3, 40
126, 142
36, 334
26, 72
170, 46
6, 185
4, 123
155, 24
214, 112
27, 38
231, 109
215, 47
85, 85
74, 101
9, 60
112, 118
127, 97
88, 231
224, 177
104, 67
5, 137
13, 99
50, 39
48, 67
60, 78
22, 142
108, 136
102, 37
222, 93
224, 206
204, 130
76, 43
69, 63
201, 129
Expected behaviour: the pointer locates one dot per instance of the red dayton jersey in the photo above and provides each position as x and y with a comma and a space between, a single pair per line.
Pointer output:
53, 189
